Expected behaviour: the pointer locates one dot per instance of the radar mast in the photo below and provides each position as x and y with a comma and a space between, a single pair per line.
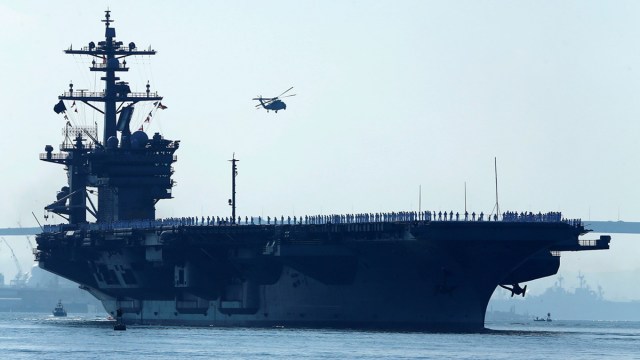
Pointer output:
107, 59
130, 174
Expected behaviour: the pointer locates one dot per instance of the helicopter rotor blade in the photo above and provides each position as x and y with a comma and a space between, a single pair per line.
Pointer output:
265, 103
289, 95
286, 91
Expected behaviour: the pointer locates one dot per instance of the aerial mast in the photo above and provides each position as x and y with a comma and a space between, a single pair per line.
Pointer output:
109, 53
495, 167
232, 201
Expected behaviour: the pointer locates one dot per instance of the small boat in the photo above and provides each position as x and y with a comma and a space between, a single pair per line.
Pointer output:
59, 310
543, 319
119, 326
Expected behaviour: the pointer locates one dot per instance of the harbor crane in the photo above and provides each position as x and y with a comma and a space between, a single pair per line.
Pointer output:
20, 278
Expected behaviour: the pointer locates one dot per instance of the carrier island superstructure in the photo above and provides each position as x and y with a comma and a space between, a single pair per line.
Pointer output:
417, 270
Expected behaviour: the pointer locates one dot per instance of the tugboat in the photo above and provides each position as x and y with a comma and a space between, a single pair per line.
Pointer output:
403, 270
59, 310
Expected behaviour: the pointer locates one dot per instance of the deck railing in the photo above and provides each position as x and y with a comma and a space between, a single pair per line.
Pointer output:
100, 94
393, 217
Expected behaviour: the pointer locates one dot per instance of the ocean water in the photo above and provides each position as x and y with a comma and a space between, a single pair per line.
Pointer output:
41, 336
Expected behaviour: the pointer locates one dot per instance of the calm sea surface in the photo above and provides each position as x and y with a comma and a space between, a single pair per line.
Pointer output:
40, 336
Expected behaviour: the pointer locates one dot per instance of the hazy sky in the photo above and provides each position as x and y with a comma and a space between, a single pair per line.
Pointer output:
391, 95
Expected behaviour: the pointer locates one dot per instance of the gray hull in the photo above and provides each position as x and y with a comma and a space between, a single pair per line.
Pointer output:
419, 275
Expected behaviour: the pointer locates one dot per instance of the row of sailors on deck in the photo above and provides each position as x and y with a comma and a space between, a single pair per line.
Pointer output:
313, 219
402, 216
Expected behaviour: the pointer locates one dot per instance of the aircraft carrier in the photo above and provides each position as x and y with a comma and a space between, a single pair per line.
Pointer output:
400, 270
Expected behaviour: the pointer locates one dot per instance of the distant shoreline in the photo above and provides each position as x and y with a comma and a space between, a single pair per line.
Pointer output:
20, 231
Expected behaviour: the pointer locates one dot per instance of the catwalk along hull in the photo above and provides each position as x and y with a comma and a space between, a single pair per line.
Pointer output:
419, 275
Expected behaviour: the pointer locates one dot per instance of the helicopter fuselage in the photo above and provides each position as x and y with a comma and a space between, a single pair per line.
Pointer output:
274, 105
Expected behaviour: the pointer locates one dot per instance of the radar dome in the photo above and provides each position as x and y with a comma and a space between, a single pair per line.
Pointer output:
139, 139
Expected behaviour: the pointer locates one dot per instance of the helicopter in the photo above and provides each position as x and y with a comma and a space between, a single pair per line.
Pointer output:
516, 289
273, 103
